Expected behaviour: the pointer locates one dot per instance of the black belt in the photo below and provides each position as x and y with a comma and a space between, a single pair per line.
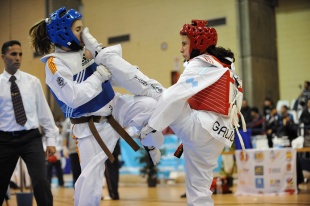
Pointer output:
18, 133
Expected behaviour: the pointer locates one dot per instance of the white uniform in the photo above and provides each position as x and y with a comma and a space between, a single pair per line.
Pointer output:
71, 80
126, 75
131, 78
204, 133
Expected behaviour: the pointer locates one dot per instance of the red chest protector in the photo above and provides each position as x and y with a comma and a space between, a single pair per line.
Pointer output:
219, 96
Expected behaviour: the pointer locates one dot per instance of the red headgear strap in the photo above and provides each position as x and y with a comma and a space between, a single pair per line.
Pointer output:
201, 36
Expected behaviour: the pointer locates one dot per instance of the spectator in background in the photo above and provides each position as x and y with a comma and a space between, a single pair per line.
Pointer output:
305, 115
54, 161
257, 122
268, 105
246, 112
303, 97
288, 129
70, 149
286, 124
305, 120
284, 113
305, 94
112, 173
271, 125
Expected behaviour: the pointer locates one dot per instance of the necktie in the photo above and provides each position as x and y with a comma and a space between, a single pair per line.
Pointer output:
18, 106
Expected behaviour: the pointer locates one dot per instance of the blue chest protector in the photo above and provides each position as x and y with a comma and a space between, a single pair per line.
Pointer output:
105, 96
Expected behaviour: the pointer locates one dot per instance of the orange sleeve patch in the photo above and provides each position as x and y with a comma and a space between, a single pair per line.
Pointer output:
51, 65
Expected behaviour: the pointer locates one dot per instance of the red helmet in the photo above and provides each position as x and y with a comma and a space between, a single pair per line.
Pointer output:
201, 36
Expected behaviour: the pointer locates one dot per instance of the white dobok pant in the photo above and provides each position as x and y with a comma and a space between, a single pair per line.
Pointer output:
201, 152
128, 110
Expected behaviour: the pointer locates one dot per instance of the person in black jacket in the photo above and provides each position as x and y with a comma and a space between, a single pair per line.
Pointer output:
271, 125
267, 107
257, 122
112, 173
286, 125
305, 115
246, 112
305, 120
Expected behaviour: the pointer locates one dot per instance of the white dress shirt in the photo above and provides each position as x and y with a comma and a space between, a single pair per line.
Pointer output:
37, 110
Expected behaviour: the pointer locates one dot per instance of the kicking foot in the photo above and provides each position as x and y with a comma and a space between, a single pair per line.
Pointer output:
90, 42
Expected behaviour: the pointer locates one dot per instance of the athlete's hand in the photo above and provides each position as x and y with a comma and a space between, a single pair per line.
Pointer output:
155, 154
145, 131
103, 73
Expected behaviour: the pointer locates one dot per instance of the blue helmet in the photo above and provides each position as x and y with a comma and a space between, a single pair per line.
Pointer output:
59, 28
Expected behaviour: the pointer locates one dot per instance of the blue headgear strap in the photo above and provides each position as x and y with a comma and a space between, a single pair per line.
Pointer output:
59, 28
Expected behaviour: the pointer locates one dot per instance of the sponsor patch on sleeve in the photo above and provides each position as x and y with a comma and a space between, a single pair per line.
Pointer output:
61, 82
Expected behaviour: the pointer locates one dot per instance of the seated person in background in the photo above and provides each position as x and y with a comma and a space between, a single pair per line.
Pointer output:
305, 116
305, 120
268, 105
286, 127
271, 125
302, 99
246, 112
305, 95
284, 113
256, 125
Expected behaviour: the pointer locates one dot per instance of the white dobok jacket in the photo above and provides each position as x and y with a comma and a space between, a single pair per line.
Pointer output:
206, 86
